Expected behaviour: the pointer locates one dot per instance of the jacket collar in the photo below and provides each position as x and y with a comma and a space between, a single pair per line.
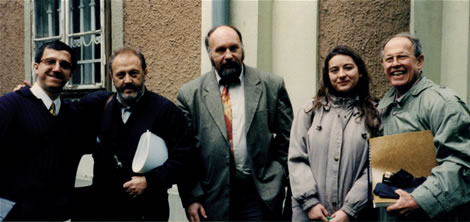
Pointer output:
344, 102
421, 84
253, 90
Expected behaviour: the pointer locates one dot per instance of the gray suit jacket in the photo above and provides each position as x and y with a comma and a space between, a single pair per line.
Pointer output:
268, 122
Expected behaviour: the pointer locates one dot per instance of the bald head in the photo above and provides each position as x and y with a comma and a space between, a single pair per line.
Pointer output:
223, 27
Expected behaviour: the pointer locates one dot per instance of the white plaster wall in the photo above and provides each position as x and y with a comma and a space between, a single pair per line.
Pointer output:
294, 42
28, 60
455, 48
426, 24
117, 21
206, 25
443, 27
244, 16
295, 47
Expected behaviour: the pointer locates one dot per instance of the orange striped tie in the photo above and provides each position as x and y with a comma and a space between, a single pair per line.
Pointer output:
228, 114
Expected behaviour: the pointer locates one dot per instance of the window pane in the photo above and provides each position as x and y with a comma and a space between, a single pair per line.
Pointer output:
84, 35
97, 71
46, 16
88, 50
84, 15
82, 75
75, 80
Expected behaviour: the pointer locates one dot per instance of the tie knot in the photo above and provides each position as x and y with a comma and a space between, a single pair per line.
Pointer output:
125, 107
128, 109
228, 82
52, 109
224, 83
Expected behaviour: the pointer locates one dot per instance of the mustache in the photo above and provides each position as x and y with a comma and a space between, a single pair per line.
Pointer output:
129, 86
230, 64
57, 75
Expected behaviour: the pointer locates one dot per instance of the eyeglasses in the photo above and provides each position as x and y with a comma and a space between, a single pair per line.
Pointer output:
400, 58
63, 64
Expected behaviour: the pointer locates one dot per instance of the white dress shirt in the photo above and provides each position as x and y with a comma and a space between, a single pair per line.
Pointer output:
237, 98
41, 94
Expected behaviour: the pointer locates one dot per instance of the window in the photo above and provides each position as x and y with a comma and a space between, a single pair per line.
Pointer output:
80, 24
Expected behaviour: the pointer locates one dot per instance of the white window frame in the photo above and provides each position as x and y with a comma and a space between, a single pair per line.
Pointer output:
65, 36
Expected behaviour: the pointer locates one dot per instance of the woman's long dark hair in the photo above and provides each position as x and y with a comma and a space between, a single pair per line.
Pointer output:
366, 101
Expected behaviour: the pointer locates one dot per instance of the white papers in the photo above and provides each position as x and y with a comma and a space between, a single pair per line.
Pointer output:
5, 208
151, 152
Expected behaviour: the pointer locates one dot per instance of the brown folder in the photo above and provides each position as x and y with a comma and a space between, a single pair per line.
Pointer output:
413, 152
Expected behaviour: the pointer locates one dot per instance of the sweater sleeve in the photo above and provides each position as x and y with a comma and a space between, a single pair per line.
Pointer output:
90, 108
6, 118
7, 112
303, 185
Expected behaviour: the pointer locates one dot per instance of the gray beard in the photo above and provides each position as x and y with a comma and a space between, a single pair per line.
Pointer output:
131, 100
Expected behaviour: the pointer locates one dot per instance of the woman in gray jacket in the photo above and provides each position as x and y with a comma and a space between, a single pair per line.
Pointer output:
328, 152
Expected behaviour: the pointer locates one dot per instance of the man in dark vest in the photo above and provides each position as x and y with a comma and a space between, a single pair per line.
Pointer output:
123, 194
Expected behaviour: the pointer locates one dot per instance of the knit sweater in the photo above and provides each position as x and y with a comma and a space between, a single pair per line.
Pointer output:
39, 156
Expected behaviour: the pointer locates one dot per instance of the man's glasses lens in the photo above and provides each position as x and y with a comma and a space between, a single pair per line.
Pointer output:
63, 64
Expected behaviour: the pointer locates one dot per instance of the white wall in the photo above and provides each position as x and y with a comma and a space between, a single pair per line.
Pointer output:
455, 39
295, 47
206, 25
291, 44
244, 16
443, 28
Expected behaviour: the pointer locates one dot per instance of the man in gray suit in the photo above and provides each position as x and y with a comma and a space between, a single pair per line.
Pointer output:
242, 119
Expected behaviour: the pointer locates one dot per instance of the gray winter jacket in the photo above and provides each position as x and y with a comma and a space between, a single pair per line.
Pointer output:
328, 157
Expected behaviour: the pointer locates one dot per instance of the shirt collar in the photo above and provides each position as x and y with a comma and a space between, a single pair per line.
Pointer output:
39, 93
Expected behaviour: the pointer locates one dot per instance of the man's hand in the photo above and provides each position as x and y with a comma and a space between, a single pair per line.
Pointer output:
406, 203
18, 87
193, 212
136, 186
339, 216
318, 212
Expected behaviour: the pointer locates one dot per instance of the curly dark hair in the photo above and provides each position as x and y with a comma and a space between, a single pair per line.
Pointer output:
367, 103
